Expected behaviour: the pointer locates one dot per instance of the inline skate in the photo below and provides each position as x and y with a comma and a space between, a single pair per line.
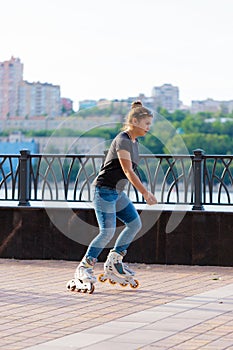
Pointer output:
84, 279
117, 272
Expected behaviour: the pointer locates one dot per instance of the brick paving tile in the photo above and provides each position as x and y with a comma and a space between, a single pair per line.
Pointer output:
37, 307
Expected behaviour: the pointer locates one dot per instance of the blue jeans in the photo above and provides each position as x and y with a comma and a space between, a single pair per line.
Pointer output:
109, 205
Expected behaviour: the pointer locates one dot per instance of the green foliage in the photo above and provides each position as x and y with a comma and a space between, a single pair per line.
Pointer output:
212, 132
106, 133
178, 132
32, 133
192, 124
211, 144
151, 144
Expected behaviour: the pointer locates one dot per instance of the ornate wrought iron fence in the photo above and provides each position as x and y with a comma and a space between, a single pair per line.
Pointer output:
197, 179
9, 173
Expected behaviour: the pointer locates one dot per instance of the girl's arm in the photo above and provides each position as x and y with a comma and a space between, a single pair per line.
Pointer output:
126, 164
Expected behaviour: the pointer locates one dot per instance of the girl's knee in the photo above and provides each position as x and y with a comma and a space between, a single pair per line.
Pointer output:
106, 235
136, 224
139, 223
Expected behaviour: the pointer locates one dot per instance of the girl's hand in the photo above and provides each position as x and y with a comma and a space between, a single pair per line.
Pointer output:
150, 198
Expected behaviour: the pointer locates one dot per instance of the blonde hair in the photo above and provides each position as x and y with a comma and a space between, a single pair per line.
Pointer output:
137, 111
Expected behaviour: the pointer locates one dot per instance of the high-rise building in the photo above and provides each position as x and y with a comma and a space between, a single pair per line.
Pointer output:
166, 96
11, 74
37, 99
21, 98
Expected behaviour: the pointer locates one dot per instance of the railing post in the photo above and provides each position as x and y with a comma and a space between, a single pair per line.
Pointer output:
198, 179
24, 178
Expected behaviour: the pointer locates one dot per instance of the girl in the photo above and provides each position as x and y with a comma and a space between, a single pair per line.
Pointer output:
111, 202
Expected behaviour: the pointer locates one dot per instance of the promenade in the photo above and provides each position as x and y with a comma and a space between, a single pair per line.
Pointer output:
175, 307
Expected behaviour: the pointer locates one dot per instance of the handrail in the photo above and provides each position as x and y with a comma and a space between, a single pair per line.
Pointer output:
196, 179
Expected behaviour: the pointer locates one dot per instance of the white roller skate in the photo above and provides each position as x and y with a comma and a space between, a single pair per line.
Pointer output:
84, 278
117, 272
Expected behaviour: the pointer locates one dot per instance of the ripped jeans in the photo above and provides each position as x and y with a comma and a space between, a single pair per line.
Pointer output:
109, 205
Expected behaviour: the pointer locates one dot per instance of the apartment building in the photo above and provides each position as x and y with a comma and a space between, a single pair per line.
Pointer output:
166, 96
36, 99
11, 74
210, 105
21, 98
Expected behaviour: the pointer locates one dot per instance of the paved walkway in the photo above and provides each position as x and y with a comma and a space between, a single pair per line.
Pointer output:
175, 307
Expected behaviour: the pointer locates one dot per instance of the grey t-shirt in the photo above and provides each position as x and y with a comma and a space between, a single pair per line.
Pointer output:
111, 173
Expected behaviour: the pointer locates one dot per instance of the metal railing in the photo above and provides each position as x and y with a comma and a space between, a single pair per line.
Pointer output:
196, 179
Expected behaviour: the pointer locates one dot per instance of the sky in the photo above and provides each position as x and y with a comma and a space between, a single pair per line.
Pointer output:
118, 49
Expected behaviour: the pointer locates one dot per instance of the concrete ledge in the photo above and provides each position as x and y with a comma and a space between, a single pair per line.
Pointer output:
175, 236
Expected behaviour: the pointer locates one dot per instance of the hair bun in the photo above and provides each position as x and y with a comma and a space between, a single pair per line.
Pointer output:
136, 104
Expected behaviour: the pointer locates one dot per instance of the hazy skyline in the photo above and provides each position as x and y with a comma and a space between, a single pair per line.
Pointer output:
100, 49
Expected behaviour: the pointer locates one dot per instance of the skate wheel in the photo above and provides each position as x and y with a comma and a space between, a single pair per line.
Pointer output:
83, 290
101, 278
92, 289
111, 281
123, 284
135, 285
71, 286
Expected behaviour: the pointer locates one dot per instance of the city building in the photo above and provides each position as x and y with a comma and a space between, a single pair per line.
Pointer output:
34, 105
210, 105
11, 75
227, 106
166, 96
87, 104
66, 106
19, 98
36, 99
